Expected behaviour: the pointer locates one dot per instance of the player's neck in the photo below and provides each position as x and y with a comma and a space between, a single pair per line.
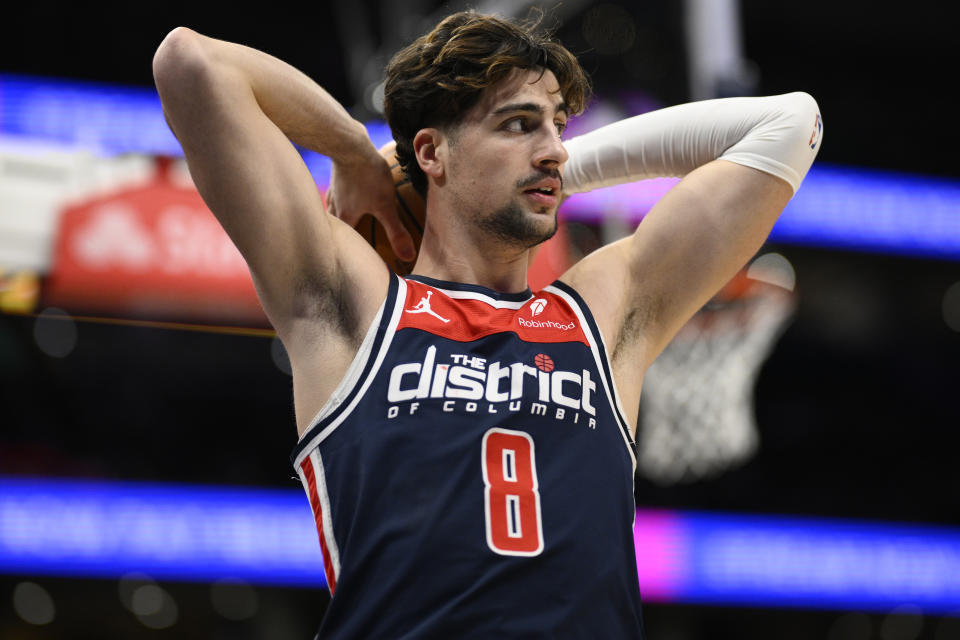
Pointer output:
459, 258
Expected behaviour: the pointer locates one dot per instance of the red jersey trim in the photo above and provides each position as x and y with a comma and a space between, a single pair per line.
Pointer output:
545, 317
328, 569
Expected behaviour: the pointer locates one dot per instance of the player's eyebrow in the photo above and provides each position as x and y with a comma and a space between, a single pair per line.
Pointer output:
530, 107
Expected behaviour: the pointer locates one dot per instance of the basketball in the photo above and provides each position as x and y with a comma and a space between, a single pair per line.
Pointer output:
411, 208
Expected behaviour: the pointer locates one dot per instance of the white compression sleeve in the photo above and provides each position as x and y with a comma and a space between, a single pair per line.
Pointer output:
779, 135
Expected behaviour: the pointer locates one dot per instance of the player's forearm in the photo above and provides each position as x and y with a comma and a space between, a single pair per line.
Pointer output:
187, 64
779, 135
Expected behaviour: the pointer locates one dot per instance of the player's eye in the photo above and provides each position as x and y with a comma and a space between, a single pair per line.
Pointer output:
560, 125
517, 125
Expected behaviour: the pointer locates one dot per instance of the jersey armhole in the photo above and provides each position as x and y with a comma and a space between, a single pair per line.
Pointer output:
361, 368
580, 308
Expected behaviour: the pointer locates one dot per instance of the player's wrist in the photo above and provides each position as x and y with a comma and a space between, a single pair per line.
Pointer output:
354, 149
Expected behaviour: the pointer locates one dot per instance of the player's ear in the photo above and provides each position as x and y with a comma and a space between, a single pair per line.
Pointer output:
426, 145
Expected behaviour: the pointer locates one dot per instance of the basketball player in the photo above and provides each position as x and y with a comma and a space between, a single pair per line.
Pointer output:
467, 444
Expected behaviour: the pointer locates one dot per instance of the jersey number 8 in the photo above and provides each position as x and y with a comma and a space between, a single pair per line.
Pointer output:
511, 500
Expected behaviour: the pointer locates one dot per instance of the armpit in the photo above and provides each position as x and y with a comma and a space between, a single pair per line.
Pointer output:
635, 325
330, 300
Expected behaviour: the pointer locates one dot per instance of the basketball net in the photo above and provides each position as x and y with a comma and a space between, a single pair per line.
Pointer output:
696, 410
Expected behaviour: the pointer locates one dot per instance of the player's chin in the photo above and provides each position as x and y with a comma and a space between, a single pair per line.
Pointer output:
540, 212
540, 217
520, 225
546, 211
542, 227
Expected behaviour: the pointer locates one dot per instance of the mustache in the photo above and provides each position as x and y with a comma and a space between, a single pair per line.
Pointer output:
533, 179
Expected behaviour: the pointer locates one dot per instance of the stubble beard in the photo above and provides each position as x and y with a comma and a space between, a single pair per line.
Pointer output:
510, 225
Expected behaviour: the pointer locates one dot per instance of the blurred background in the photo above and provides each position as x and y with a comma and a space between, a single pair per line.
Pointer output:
798, 442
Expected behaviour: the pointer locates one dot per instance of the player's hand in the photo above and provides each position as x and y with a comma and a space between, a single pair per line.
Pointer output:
366, 187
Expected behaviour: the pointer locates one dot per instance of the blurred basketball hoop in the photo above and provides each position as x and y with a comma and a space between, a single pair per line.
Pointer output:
696, 410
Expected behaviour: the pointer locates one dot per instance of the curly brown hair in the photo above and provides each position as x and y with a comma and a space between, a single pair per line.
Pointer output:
436, 79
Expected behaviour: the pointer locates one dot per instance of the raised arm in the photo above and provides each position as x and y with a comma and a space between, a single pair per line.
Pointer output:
742, 159
235, 111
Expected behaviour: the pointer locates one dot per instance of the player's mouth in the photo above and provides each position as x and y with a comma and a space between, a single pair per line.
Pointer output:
543, 197
544, 193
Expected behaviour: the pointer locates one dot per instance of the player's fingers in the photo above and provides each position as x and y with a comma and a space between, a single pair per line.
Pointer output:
399, 237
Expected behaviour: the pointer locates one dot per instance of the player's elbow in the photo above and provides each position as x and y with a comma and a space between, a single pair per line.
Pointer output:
803, 104
801, 111
787, 143
178, 60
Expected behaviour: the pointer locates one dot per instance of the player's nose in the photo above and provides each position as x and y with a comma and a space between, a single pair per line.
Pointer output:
551, 152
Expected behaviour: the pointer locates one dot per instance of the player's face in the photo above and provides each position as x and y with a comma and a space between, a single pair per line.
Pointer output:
506, 159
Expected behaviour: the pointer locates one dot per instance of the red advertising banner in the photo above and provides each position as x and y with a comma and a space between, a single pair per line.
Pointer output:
153, 251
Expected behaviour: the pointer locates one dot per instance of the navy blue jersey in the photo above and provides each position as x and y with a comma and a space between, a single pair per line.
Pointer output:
472, 475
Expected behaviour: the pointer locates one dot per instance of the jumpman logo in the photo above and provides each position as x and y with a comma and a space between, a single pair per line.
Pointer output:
424, 307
